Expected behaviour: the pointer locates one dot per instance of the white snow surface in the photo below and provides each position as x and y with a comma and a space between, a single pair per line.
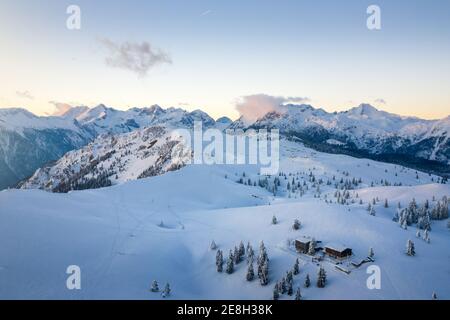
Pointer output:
160, 228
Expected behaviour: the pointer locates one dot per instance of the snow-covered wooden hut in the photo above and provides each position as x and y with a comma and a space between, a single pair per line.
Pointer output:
338, 251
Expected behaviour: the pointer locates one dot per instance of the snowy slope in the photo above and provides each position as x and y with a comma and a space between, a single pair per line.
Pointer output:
111, 159
160, 228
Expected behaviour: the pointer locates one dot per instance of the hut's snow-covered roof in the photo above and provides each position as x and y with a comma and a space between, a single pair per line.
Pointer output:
337, 246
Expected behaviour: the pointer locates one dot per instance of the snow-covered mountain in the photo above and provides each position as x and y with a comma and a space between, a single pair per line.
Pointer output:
365, 131
111, 159
102, 119
28, 142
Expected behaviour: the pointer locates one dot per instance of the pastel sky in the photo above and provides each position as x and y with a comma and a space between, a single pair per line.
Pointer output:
209, 53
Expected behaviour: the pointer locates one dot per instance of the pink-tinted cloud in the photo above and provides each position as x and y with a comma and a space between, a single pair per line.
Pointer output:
254, 107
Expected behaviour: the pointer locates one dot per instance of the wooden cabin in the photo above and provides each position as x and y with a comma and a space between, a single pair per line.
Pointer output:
302, 244
338, 251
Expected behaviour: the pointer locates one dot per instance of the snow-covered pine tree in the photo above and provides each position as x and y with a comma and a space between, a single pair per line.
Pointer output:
296, 269
250, 255
396, 216
307, 281
262, 252
426, 236
250, 272
276, 294
424, 221
278, 285
283, 285
289, 276
371, 253
213, 245
247, 248
241, 250
274, 220
298, 294
290, 289
434, 213
230, 263
410, 251
444, 212
261, 259
166, 291
264, 279
441, 209
413, 206
321, 278
296, 224
155, 287
434, 296
386, 205
312, 247
219, 261
405, 225
236, 255
259, 266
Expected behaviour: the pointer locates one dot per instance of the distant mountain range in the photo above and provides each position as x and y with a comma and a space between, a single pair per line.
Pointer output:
364, 131
28, 142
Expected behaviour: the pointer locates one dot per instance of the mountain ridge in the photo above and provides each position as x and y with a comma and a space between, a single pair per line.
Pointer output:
362, 131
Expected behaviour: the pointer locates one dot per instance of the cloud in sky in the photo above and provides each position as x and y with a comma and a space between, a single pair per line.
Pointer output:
380, 101
136, 57
205, 13
253, 107
25, 94
60, 108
